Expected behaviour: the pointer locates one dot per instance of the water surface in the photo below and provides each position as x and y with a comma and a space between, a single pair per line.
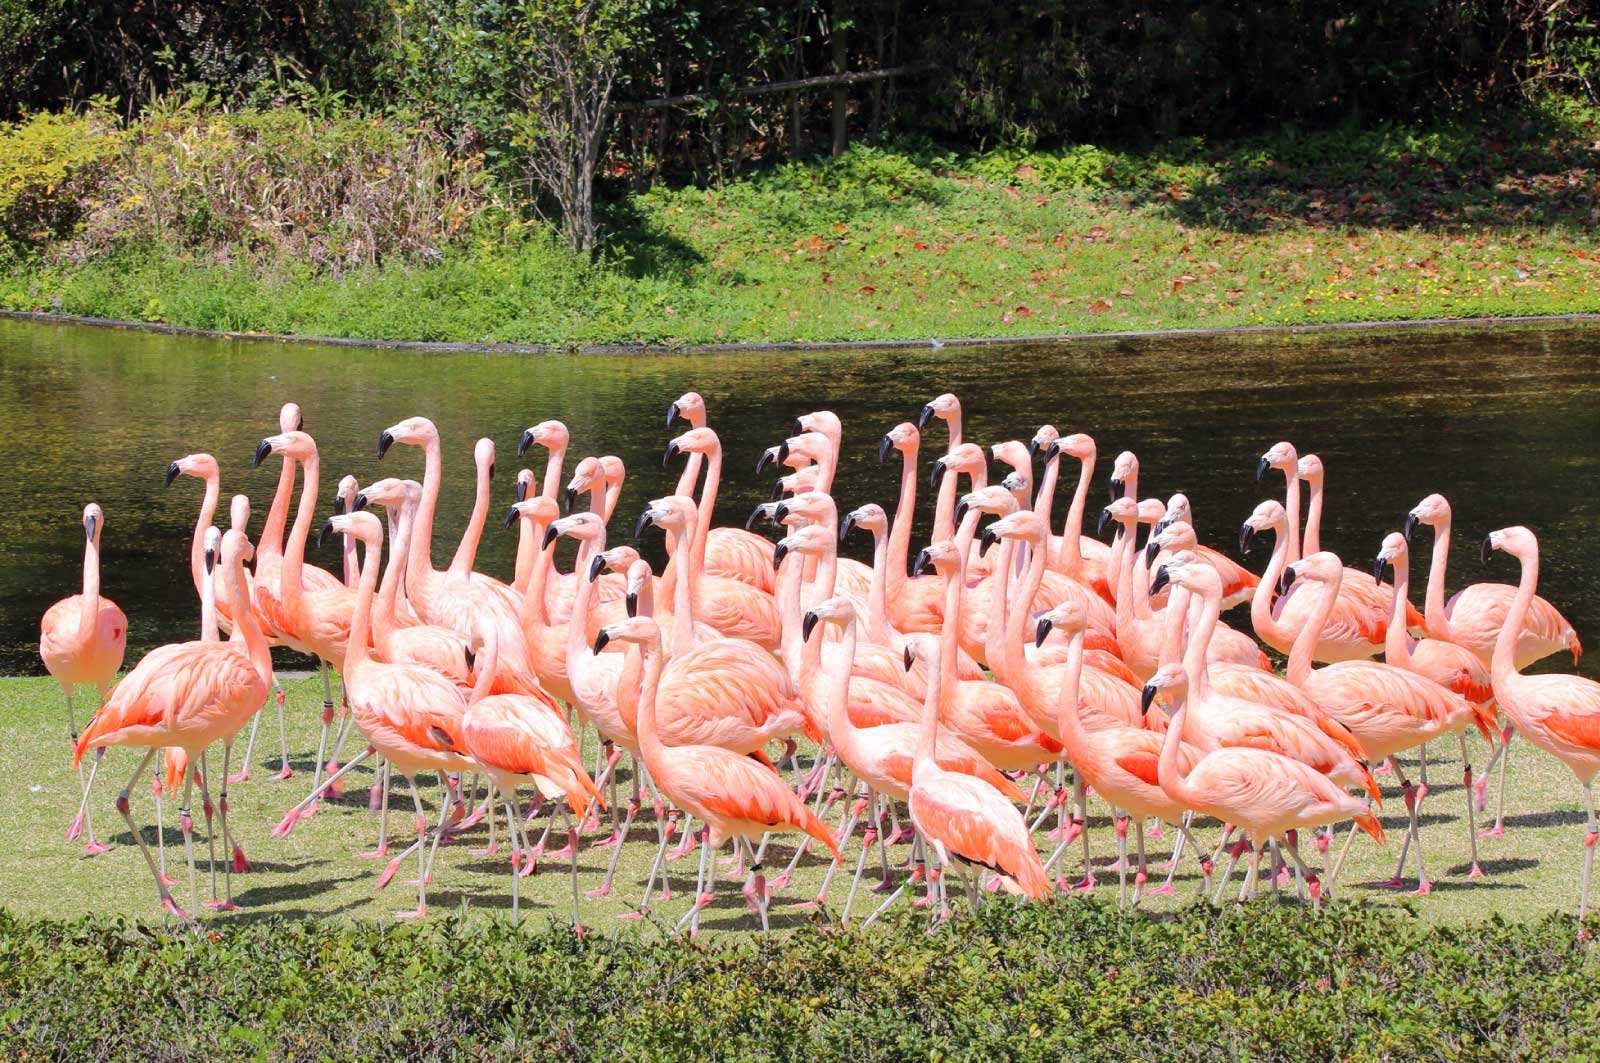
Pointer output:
1505, 423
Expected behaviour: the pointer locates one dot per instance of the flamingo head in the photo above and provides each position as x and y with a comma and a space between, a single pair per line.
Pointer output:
585, 527
691, 407
1078, 445
538, 510
1170, 682
390, 491
921, 646
904, 437
836, 611
213, 543
869, 517
483, 456
823, 422
1281, 456
290, 419
1309, 469
1321, 567
236, 549
1269, 515
1151, 511
1393, 549
93, 519
1068, 615
292, 446
1517, 541
345, 494
584, 477
1432, 511
1015, 453
200, 466
1185, 569
1024, 524
796, 482
1123, 471
527, 484
239, 512
1174, 537
946, 407
637, 577
672, 514
616, 559
942, 557
1177, 510
813, 507
552, 435
363, 526
813, 540
1043, 442
641, 630
994, 500
1125, 511
413, 431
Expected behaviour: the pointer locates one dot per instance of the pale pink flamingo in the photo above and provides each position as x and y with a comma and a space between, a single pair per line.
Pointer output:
946, 408
850, 576
730, 552
343, 498
1559, 713
1124, 483
544, 635
733, 607
188, 695
1263, 793
1079, 557
81, 640
734, 796
1390, 709
1356, 582
466, 555
914, 605
1227, 645
1238, 582
519, 738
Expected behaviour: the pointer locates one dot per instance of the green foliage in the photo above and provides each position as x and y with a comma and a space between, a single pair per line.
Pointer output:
49, 164
1073, 981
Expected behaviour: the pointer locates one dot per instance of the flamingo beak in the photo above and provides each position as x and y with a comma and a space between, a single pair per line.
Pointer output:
1042, 631
597, 566
1116, 487
779, 490
672, 452
522, 490
472, 658
779, 552
361, 502
909, 663
1377, 569
1261, 468
263, 449
172, 474
808, 625
988, 539
1151, 549
884, 446
1105, 515
1146, 697
1163, 577
961, 510
644, 520
571, 497
524, 442
1410, 526
798, 427
633, 603
937, 473
338, 505
924, 562
1486, 550
1246, 534
89, 527
768, 456
1033, 449
550, 535
511, 518
327, 530
672, 413
211, 559
780, 512
385, 441
600, 640
848, 523
754, 513
922, 418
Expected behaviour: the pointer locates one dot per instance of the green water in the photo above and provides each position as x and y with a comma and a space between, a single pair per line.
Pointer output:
1504, 423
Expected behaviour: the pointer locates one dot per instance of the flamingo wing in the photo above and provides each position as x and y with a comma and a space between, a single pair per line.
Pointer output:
970, 819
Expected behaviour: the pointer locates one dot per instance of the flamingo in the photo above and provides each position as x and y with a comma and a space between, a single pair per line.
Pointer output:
343, 497
188, 695
1238, 583
1559, 713
732, 553
467, 550
733, 607
1227, 645
81, 640
851, 576
1079, 557
1356, 582
410, 714
734, 796
914, 605
1390, 709
946, 408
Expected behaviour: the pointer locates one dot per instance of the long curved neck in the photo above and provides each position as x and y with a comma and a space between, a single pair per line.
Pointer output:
208, 607
1013, 658
290, 588
1072, 531
1175, 615
419, 563
1313, 537
1291, 506
487, 667
535, 606
1123, 553
1503, 665
928, 729
612, 496
1044, 502
650, 745
582, 603
839, 725
1167, 769
552, 471
1069, 725
361, 619
1194, 659
527, 555
997, 634
1396, 650
708, 498
900, 531
467, 551
683, 594
789, 619
1434, 617
89, 603
277, 514
208, 513
877, 591
383, 615
1305, 643
686, 481
950, 629
236, 593
352, 566
1267, 626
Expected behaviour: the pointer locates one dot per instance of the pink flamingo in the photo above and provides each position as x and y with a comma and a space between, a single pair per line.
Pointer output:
914, 605
188, 695
1238, 583
1559, 713
733, 607
1390, 709
1079, 557
732, 553
1227, 645
467, 550
1356, 582
734, 796
946, 408
81, 640
344, 497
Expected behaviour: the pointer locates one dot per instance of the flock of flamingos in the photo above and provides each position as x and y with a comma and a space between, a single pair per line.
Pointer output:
957, 694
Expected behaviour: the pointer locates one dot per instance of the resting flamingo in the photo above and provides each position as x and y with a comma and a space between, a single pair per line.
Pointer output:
734, 796
81, 640
188, 695
1559, 713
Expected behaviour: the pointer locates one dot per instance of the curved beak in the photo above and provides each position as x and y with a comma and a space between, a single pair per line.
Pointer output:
1146, 697
1162, 579
1377, 570
1042, 631
385, 441
768, 456
644, 521
1105, 515
846, 524
1261, 468
338, 505
961, 510
1151, 549
937, 473
884, 446
672, 452
1033, 449
1051, 454
596, 566
779, 552
783, 452
89, 527
988, 539
808, 625
511, 518
211, 559
550, 536
250, 564
172, 474
672, 413
1410, 525
600, 640
571, 497
798, 427
1289, 575
1246, 534
359, 503
327, 530
472, 658
778, 490
1116, 488
1486, 550
263, 448
780, 512
754, 513
633, 603
989, 452
909, 663
522, 490
922, 418
922, 564
524, 442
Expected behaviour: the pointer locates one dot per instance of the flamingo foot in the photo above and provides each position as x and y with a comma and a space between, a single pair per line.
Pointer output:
428, 881
993, 885
219, 906
420, 912
616, 838
1086, 886
590, 825
166, 879
488, 850
809, 906
286, 824
173, 910
388, 873
284, 772
374, 854
1284, 878
1475, 872
239, 776
240, 864
750, 901
463, 825
634, 915
95, 848
1422, 793
336, 787
904, 834
311, 809
1322, 844
529, 866
703, 900
779, 883
1163, 890
1382, 769
1496, 831
601, 891
1422, 890
563, 853
76, 828
1390, 884
880, 886
1154, 833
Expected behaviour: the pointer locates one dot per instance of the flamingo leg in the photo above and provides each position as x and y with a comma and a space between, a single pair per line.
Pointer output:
1122, 861
755, 889
1234, 853
1591, 835
1413, 799
250, 744
516, 858
1141, 876
1472, 816
621, 836
1247, 887
1310, 877
186, 821
663, 836
211, 836
868, 837
1200, 854
707, 882
422, 829
284, 771
340, 735
161, 830
383, 816
237, 862
291, 817
322, 743
1504, 753
889, 900
1338, 862
167, 902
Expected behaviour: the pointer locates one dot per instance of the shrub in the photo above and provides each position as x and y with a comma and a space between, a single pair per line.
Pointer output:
49, 164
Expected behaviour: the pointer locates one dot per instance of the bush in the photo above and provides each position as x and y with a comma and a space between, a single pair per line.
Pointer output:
49, 165
1076, 980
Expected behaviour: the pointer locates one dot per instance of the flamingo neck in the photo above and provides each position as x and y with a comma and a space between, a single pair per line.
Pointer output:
208, 513
1141, 580
686, 481
1396, 649
357, 652
236, 594
683, 639
1313, 537
208, 607
1435, 619
790, 619
708, 498
419, 563
997, 634
527, 556
352, 566
877, 591
1124, 585
383, 616
650, 745
1267, 626
1291, 507
1044, 502
277, 514
290, 587
1503, 665
1069, 725
609, 505
535, 607
900, 530
582, 604
467, 552
1168, 771
1195, 664
1176, 614
1305, 643
1013, 656
840, 729
949, 630
1072, 531
89, 601
487, 667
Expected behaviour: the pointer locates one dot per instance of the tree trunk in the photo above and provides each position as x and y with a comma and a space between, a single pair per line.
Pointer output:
841, 93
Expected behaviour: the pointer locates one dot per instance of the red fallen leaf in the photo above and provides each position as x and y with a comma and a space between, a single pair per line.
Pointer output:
815, 243
920, 246
1023, 311
1099, 306
1097, 230
1368, 198
866, 289
1061, 239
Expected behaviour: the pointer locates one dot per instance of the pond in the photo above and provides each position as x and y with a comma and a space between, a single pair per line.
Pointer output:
1505, 422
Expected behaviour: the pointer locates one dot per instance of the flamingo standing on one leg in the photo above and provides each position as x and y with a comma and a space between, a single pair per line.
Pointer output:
1559, 713
81, 640
735, 796
188, 695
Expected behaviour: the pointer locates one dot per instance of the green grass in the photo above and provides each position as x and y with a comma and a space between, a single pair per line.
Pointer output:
1477, 218
313, 872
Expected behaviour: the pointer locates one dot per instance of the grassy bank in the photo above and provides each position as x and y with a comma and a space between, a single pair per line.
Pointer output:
1482, 218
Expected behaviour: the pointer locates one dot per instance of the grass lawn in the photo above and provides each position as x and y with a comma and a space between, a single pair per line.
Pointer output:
1531, 870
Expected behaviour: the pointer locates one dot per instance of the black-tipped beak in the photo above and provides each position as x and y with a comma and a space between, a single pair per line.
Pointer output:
961, 510
924, 562
1162, 579
472, 658
780, 512
511, 518
1410, 526
1261, 468
1151, 549
600, 641
767, 458
491, 470
1042, 631
1033, 449
845, 526
596, 566
327, 530
808, 625
986, 540
1289, 575
1115, 486
783, 452
172, 474
300, 422
1377, 570
385, 441
1284, 579
1105, 515
338, 505
644, 522
909, 663
992, 456
779, 552
522, 490
750, 521
671, 452
89, 526
360, 502
263, 449
778, 490
884, 446
250, 565
1050, 455
211, 559
550, 536
1147, 697
633, 603
1486, 550
798, 427
922, 418
524, 442
672, 414
937, 473
571, 497
1246, 534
